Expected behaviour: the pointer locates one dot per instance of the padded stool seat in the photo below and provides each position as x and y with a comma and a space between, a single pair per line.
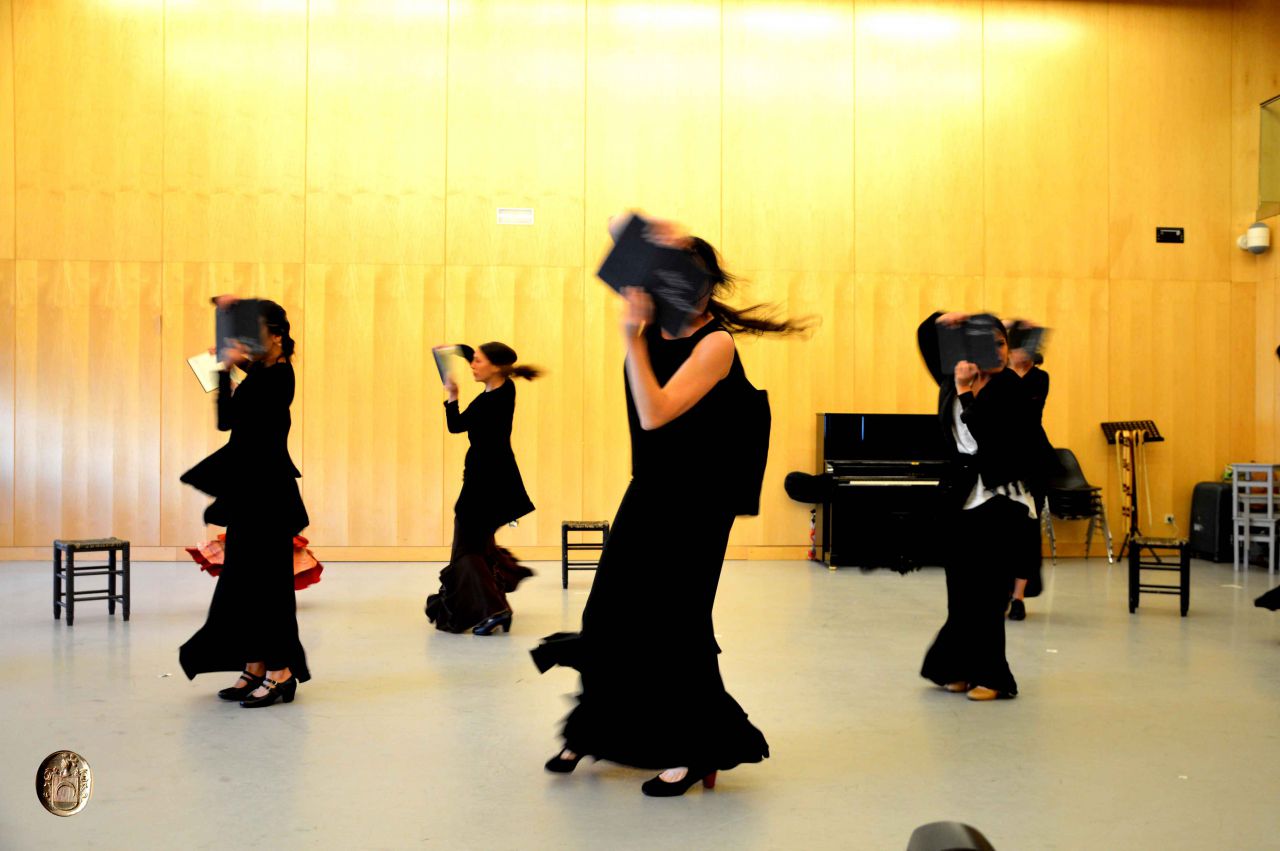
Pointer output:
113, 570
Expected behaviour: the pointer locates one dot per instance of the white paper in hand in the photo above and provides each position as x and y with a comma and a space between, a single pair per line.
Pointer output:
206, 367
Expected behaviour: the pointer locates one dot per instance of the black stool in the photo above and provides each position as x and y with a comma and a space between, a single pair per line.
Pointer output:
67, 600
568, 526
1157, 546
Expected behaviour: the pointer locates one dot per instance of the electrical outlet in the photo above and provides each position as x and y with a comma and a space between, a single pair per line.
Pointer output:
1168, 520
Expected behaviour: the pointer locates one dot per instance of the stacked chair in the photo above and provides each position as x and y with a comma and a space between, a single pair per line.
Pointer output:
1071, 497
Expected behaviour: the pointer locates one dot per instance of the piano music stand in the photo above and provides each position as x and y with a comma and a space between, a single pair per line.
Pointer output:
1128, 436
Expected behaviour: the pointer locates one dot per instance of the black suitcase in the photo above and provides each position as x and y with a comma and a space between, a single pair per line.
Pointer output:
1211, 521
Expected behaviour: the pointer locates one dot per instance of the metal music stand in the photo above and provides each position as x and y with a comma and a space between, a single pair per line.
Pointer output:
1130, 434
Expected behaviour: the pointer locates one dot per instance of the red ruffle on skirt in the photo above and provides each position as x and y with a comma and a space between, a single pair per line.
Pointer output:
306, 570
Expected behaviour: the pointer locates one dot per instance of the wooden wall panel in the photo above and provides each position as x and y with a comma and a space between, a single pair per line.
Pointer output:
376, 132
788, 160
8, 224
538, 312
90, 111
1162, 335
1266, 373
804, 374
653, 131
1255, 77
918, 112
886, 371
189, 430
374, 420
235, 131
1045, 133
87, 434
8, 307
515, 131
646, 149
1170, 139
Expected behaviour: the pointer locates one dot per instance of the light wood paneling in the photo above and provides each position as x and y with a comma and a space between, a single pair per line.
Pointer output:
190, 419
885, 369
1077, 359
515, 131
653, 143
376, 132
375, 426
8, 224
90, 112
918, 110
1045, 133
1255, 77
803, 375
606, 445
235, 131
8, 306
538, 312
788, 160
1170, 139
87, 434
653, 116
1162, 337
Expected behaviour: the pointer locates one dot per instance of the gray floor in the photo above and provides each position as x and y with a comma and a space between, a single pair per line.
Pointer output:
1144, 731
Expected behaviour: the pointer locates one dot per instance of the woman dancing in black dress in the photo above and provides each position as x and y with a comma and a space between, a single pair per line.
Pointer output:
651, 695
1028, 581
252, 623
1000, 454
480, 574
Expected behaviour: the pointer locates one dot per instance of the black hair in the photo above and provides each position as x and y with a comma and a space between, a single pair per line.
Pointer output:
277, 324
504, 357
758, 318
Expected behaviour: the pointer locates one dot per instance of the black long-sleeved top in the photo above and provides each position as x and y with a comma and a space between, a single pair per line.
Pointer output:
1004, 419
253, 475
493, 492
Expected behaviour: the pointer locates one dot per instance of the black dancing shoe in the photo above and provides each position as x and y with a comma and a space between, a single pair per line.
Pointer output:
275, 691
659, 788
490, 625
559, 764
241, 692
1017, 610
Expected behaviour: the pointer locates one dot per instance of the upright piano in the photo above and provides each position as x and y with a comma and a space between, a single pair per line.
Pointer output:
885, 505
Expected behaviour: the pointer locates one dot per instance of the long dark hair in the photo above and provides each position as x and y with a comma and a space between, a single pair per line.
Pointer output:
504, 357
757, 319
277, 322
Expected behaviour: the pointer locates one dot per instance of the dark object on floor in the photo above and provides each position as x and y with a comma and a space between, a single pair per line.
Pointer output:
1269, 600
113, 570
567, 546
1159, 549
1211, 521
947, 836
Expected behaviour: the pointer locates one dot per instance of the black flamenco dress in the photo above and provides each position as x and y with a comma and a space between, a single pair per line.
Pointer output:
253, 615
652, 696
480, 574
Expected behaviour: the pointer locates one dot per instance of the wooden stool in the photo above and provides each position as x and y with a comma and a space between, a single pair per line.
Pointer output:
67, 600
1156, 546
568, 526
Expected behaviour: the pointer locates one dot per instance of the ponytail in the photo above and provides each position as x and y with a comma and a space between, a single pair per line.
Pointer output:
757, 319
504, 357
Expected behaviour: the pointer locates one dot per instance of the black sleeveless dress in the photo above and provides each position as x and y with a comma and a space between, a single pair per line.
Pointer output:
652, 696
253, 614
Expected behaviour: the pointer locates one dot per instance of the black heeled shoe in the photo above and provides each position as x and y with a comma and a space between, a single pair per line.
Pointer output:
490, 625
659, 788
275, 691
560, 765
241, 692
